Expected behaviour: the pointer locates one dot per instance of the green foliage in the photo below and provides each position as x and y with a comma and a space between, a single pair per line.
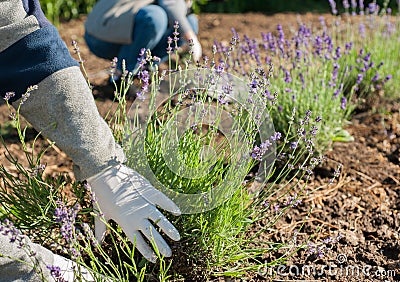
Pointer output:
367, 36
273, 6
58, 10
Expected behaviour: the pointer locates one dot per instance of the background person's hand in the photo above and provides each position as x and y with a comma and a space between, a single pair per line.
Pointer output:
196, 46
196, 49
130, 200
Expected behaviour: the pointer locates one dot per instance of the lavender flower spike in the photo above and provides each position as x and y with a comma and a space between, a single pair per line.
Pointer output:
333, 7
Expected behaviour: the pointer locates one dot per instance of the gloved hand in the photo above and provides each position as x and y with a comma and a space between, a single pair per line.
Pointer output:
80, 131
196, 49
129, 199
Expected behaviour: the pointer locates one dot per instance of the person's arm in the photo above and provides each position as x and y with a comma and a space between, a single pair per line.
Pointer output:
63, 109
177, 11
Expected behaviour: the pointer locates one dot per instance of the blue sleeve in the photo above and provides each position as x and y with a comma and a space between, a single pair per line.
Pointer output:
34, 57
32, 7
31, 59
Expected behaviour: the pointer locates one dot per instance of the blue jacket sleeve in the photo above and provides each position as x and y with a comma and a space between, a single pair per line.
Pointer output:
31, 57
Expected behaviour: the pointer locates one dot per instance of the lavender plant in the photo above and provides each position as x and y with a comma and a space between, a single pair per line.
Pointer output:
374, 64
217, 238
28, 187
308, 78
329, 70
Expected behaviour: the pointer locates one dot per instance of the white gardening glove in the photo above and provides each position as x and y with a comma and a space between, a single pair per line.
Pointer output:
196, 49
194, 45
130, 200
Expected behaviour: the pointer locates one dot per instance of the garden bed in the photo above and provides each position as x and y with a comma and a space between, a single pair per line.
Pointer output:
362, 205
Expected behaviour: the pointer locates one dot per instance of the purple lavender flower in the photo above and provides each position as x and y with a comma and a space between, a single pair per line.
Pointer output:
338, 53
169, 48
276, 136
37, 169
346, 4
318, 45
361, 29
9, 95
360, 77
267, 94
301, 76
281, 157
322, 21
293, 201
293, 145
142, 52
281, 39
288, 78
220, 69
222, 99
353, 7
259, 151
361, 4
375, 77
301, 132
142, 58
349, 46
333, 7
66, 216
89, 234
367, 57
145, 80
329, 43
176, 25
235, 36
373, 8
227, 89
337, 171
7, 228
313, 130
298, 54
27, 94
343, 103
335, 71
56, 273
253, 84
388, 77
113, 67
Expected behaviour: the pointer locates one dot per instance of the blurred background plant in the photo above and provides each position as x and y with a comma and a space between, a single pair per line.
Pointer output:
59, 10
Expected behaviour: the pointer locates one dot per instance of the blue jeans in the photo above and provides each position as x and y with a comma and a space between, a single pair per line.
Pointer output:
151, 31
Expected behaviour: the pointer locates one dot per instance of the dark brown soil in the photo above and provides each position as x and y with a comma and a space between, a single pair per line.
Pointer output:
363, 205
